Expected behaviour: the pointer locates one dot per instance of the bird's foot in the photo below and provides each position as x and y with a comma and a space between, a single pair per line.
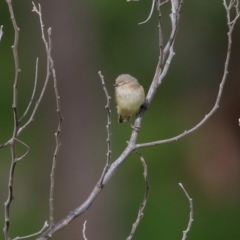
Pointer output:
145, 105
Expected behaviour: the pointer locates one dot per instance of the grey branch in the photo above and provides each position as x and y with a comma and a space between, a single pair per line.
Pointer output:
109, 134
84, 230
57, 133
219, 95
14, 161
26, 153
33, 93
50, 66
165, 57
1, 32
34, 234
150, 14
130, 147
185, 232
145, 198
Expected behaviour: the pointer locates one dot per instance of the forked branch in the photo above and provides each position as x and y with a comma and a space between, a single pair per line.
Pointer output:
231, 24
131, 143
165, 57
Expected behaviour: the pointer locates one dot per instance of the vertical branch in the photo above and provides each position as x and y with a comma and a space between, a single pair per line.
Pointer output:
175, 15
8, 202
84, 230
165, 53
48, 74
185, 232
50, 65
57, 134
33, 93
1, 32
160, 35
109, 151
144, 202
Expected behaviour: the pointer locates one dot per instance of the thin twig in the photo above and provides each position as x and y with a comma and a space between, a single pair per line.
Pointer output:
144, 202
1, 32
150, 14
50, 65
48, 73
109, 134
9, 200
152, 8
34, 234
57, 134
26, 153
163, 2
185, 232
33, 93
84, 230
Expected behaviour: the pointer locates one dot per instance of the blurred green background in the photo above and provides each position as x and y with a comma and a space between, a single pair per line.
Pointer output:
89, 36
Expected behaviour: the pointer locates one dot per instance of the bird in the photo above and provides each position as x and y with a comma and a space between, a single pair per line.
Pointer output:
129, 96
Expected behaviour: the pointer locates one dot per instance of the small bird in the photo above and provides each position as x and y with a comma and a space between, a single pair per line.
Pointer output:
129, 95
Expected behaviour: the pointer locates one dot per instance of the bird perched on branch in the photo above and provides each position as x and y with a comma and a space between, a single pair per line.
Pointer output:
129, 95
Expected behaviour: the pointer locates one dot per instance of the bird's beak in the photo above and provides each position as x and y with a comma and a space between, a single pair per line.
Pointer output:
115, 85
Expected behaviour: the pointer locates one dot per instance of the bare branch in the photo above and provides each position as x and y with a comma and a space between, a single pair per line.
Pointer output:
108, 175
216, 105
175, 15
57, 134
109, 134
48, 73
1, 32
190, 215
163, 2
9, 200
25, 154
50, 65
5, 144
160, 37
33, 93
144, 202
159, 4
159, 74
84, 230
151, 12
34, 234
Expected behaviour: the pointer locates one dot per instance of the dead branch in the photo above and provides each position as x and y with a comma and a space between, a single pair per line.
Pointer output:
145, 198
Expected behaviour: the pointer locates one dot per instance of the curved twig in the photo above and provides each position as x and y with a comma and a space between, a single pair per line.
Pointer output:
145, 198
185, 232
34, 234
33, 93
25, 154
150, 14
